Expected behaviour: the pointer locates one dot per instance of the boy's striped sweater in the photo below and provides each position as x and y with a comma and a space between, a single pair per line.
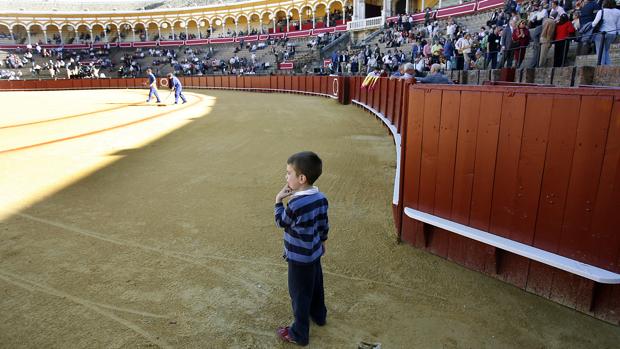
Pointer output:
305, 225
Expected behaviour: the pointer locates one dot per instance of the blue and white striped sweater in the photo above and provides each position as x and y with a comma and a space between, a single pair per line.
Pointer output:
305, 224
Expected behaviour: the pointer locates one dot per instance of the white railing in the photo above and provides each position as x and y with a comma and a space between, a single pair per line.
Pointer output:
367, 23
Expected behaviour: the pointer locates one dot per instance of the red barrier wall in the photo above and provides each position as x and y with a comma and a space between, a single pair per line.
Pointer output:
535, 165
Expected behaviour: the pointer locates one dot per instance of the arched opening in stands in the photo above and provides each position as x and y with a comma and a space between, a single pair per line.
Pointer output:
178, 30
336, 13
152, 30
83, 34
280, 21
111, 30
192, 30
255, 25
67, 32
203, 27
36, 34
140, 30
165, 31
242, 25
53, 34
399, 6
306, 17
294, 20
216, 28
126, 32
98, 33
320, 16
229, 27
372, 8
5, 34
267, 22
20, 34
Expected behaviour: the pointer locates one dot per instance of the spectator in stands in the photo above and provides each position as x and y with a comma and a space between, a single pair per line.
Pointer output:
546, 37
409, 74
521, 38
493, 46
564, 30
463, 47
587, 12
435, 76
610, 16
507, 44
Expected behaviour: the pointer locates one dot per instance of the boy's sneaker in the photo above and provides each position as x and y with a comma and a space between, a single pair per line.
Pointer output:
285, 335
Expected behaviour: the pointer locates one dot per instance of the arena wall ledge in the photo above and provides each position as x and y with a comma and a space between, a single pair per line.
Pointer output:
517, 181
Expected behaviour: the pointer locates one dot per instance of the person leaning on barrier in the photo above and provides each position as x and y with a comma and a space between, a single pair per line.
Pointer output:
409, 74
435, 76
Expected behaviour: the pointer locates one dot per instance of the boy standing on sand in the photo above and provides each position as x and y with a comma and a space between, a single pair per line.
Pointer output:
305, 226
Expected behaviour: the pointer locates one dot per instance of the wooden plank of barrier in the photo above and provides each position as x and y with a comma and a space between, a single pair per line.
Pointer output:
514, 268
412, 164
459, 247
4, 85
430, 142
363, 94
273, 82
202, 82
295, 83
324, 89
486, 151
398, 101
94, 83
218, 81
287, 82
105, 83
224, 81
65, 84
592, 129
280, 83
605, 218
446, 154
530, 167
210, 81
508, 151
376, 94
389, 99
302, 83
383, 97
316, 84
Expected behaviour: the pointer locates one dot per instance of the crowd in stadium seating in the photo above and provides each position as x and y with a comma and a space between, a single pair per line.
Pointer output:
503, 42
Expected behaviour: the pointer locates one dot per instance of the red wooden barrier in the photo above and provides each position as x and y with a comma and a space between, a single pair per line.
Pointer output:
536, 165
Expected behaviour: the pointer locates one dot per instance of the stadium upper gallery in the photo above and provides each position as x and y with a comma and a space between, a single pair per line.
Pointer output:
446, 174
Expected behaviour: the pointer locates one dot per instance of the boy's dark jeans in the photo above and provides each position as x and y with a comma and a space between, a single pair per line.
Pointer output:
305, 286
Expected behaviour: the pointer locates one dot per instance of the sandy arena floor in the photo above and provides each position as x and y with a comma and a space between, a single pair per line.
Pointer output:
126, 225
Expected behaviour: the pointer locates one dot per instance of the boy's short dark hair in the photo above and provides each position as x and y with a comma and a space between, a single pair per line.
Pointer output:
307, 163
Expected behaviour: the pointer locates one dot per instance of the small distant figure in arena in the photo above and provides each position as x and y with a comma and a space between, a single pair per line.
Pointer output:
152, 85
175, 84
305, 226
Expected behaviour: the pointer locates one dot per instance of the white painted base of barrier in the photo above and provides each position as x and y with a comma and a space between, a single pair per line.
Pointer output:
570, 265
